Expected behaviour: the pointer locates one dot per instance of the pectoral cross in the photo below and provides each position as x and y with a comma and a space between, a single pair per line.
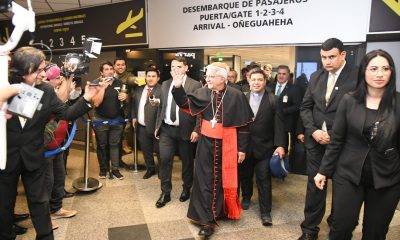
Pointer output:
213, 122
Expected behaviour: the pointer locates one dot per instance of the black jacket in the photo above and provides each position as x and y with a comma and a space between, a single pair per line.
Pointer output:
289, 104
346, 154
267, 129
27, 144
314, 110
150, 111
187, 123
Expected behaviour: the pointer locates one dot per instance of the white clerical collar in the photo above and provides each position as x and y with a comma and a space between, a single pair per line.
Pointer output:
258, 94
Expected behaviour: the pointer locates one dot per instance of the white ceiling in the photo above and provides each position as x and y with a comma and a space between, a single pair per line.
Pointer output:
51, 6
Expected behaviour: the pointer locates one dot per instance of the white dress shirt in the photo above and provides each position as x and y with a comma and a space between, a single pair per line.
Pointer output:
142, 102
167, 118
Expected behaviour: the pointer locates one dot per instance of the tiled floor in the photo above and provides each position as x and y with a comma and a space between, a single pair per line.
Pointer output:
125, 209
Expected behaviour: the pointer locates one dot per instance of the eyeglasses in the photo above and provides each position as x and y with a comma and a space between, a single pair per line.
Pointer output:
375, 69
210, 76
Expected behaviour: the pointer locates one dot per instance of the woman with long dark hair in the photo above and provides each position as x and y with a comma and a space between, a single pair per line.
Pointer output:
363, 156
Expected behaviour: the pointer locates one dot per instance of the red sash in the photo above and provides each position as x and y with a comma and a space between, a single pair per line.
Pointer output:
233, 209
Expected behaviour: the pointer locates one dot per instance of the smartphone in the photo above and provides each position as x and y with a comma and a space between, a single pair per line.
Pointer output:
95, 82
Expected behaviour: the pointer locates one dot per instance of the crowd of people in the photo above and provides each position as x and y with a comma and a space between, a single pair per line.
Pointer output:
224, 131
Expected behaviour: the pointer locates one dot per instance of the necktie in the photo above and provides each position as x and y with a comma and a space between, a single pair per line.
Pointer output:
173, 110
148, 93
329, 87
278, 92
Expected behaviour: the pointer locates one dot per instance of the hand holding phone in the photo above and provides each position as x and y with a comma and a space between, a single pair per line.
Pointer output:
95, 82
153, 100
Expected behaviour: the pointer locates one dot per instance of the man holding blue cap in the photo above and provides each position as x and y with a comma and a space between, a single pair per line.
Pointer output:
266, 133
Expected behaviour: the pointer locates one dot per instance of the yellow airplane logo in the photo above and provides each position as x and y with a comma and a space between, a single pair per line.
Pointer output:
394, 5
129, 23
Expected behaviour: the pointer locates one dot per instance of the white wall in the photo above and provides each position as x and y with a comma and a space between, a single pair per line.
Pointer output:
206, 23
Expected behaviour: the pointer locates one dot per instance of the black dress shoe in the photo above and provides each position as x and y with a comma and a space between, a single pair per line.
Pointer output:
266, 220
185, 195
68, 194
18, 229
20, 217
245, 203
206, 231
308, 236
148, 174
164, 198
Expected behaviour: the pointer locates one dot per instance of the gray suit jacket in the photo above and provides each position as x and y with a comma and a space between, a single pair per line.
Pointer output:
187, 123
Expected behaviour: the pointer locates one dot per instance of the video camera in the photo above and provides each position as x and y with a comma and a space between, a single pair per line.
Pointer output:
91, 47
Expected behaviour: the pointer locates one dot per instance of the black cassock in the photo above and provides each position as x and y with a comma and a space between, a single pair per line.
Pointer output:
207, 202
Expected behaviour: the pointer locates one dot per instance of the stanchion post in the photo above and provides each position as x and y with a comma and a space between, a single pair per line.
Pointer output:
135, 154
85, 183
87, 153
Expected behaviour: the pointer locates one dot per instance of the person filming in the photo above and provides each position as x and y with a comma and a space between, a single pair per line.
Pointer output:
25, 145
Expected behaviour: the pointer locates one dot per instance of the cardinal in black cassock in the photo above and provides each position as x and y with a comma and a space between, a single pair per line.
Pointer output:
224, 132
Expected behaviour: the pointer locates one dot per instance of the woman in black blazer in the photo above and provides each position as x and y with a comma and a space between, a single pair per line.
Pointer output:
363, 156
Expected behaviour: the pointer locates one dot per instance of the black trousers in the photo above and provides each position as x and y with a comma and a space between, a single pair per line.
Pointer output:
379, 207
38, 203
149, 145
314, 209
55, 181
170, 141
108, 137
263, 179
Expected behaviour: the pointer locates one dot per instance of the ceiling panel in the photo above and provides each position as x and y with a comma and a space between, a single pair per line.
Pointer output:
262, 55
57, 7
51, 6
94, 2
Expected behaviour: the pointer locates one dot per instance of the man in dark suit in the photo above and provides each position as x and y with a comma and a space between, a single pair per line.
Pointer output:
302, 82
266, 133
176, 129
232, 79
325, 90
289, 102
25, 141
298, 159
145, 101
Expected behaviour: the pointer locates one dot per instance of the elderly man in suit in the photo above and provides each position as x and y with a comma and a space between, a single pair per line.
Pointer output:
267, 137
176, 130
321, 100
232, 79
145, 101
289, 101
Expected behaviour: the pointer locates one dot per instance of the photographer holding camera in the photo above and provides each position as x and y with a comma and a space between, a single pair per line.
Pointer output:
7, 92
25, 137
108, 107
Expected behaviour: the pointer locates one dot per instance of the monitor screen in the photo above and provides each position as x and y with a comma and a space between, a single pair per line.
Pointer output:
306, 68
